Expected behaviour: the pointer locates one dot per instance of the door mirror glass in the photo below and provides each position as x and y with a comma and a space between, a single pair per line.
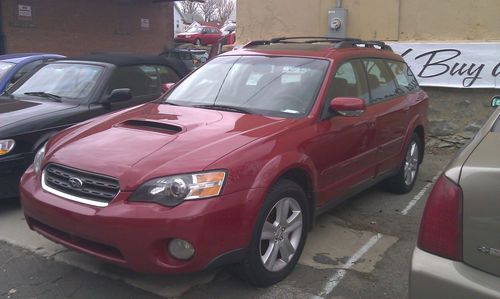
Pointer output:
495, 101
347, 106
167, 86
119, 95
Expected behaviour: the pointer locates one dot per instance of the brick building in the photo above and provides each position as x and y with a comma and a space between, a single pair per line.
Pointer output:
73, 27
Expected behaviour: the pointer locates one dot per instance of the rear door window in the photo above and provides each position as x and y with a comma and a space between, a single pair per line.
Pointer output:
381, 82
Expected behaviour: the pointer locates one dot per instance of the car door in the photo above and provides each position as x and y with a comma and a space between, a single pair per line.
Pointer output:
212, 35
204, 36
216, 34
344, 149
391, 114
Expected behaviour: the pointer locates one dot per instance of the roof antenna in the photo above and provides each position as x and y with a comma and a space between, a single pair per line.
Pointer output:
339, 3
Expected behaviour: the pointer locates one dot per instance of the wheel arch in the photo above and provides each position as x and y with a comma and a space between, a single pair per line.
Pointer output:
420, 131
301, 177
415, 126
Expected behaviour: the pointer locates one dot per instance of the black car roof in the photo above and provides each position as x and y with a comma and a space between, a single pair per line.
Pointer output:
122, 59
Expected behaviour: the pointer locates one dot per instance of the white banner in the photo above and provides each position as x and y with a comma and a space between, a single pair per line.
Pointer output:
463, 65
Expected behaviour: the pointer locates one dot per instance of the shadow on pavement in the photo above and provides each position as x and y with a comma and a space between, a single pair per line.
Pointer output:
9, 204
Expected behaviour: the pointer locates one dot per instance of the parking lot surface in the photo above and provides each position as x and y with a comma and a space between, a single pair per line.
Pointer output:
361, 249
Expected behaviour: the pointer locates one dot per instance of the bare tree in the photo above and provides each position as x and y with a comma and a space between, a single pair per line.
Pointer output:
217, 10
190, 7
209, 10
225, 9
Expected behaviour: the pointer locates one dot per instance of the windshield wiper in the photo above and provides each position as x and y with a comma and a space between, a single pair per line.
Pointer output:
44, 95
224, 108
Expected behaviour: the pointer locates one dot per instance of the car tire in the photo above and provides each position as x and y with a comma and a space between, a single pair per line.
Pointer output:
273, 242
197, 42
404, 180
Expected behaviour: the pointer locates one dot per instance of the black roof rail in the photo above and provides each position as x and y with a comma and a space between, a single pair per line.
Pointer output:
367, 44
257, 43
340, 43
311, 39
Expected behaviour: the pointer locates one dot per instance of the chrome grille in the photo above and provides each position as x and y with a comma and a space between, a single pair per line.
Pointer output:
79, 185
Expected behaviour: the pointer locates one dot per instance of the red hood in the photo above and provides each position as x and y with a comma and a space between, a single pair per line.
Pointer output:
156, 140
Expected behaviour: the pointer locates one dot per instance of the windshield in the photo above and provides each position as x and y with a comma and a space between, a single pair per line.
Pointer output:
5, 68
194, 30
68, 81
275, 86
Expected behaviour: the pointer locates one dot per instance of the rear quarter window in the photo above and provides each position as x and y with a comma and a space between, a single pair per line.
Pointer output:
404, 76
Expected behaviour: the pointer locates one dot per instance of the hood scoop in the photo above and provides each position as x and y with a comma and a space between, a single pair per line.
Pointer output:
153, 126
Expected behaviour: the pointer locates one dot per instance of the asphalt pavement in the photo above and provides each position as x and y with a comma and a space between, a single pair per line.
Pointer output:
361, 249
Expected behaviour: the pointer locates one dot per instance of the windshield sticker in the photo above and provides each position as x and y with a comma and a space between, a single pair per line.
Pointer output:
295, 70
290, 78
253, 79
290, 111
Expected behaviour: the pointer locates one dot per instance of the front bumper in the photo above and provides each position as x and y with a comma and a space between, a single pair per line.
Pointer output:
136, 235
432, 276
11, 170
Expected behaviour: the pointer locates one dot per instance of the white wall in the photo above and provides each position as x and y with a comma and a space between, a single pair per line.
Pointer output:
178, 22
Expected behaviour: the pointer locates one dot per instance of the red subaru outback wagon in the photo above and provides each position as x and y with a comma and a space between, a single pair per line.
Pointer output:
231, 165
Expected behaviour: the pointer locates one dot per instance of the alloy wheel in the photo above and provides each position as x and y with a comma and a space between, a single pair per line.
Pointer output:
411, 163
281, 234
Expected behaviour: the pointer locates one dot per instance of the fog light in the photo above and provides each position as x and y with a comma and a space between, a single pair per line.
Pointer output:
181, 249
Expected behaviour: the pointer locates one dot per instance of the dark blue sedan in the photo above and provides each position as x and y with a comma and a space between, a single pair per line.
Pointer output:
14, 66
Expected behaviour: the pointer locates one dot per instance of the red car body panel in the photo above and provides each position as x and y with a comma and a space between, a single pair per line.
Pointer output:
337, 155
205, 38
138, 233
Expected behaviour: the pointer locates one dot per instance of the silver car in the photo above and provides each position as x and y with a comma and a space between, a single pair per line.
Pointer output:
458, 250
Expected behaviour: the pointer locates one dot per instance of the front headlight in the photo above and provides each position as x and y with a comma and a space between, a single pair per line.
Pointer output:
6, 146
37, 164
172, 190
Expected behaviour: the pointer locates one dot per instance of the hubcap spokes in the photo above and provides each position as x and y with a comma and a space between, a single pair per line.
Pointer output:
281, 234
411, 163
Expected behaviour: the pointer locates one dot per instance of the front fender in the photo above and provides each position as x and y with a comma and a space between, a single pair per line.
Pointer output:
275, 168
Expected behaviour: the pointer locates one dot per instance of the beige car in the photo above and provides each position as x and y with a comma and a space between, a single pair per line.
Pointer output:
458, 250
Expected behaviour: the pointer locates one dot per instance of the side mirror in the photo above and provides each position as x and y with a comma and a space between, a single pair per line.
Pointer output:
167, 86
348, 106
119, 95
495, 101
